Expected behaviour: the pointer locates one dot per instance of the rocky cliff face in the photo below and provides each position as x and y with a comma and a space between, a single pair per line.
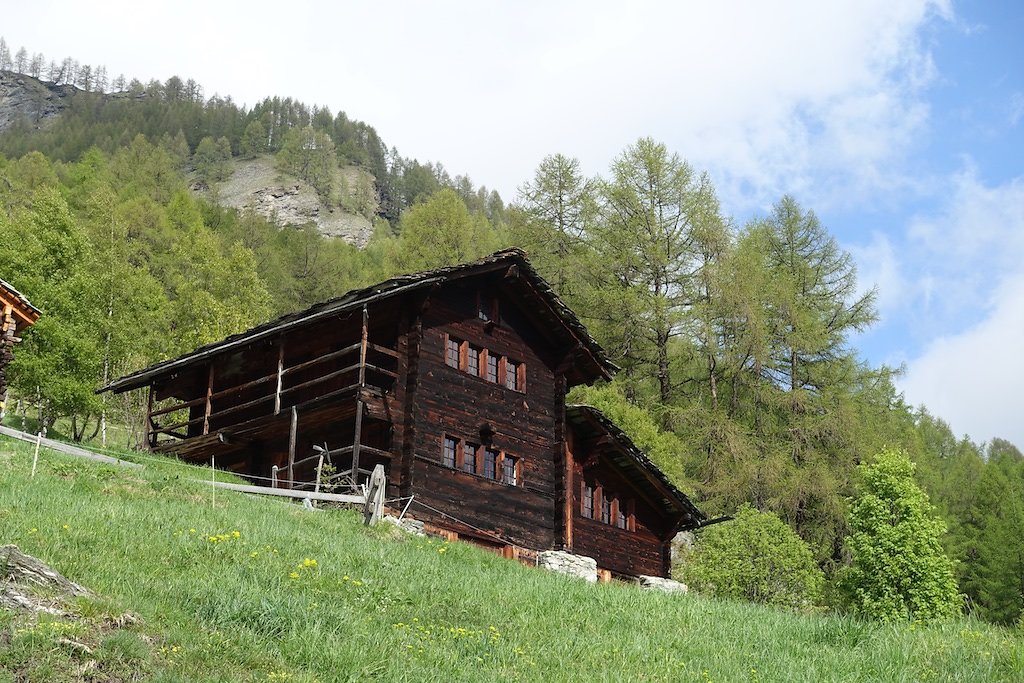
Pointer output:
24, 97
256, 185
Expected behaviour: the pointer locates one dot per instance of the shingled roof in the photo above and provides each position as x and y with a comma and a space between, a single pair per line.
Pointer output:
556, 312
25, 312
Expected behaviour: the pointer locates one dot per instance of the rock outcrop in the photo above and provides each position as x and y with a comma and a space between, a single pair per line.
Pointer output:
24, 97
255, 185
24, 581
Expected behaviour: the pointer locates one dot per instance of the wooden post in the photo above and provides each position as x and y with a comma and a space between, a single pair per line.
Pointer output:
355, 444
213, 481
374, 509
149, 420
362, 348
280, 376
291, 447
358, 433
209, 403
273, 477
35, 457
319, 470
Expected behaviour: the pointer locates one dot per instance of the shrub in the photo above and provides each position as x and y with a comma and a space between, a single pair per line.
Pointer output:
898, 571
756, 557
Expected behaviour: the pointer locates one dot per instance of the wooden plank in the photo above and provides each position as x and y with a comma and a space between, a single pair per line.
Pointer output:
322, 378
179, 406
171, 428
385, 350
377, 368
243, 406
321, 359
286, 493
245, 385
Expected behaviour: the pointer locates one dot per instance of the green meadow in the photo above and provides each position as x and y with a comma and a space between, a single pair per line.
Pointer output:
192, 586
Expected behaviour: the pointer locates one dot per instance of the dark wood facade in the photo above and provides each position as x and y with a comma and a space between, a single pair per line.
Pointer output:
455, 381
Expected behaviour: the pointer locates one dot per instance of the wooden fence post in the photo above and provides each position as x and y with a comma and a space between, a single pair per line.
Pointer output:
374, 509
35, 457
319, 470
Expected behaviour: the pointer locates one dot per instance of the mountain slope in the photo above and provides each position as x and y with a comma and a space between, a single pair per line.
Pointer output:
24, 97
255, 590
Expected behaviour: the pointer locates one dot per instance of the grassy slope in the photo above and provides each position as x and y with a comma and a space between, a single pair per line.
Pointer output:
380, 605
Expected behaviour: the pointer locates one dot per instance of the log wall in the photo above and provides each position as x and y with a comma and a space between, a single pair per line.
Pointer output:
450, 401
621, 551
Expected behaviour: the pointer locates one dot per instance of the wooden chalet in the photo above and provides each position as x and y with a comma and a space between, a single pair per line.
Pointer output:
16, 314
454, 380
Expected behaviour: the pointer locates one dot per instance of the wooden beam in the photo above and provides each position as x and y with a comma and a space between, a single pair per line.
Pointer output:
280, 375
149, 419
291, 446
358, 432
285, 493
209, 401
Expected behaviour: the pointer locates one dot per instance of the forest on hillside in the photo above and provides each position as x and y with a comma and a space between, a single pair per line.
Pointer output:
737, 371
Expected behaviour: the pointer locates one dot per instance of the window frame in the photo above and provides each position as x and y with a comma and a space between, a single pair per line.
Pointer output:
471, 457
454, 451
587, 501
473, 364
467, 448
455, 344
490, 467
505, 469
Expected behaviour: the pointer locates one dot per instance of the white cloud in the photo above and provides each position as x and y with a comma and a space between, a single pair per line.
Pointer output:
954, 286
974, 379
814, 98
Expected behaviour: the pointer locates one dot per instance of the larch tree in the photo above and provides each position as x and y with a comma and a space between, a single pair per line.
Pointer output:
557, 209
652, 207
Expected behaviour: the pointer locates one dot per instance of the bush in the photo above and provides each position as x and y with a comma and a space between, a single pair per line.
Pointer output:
756, 557
898, 571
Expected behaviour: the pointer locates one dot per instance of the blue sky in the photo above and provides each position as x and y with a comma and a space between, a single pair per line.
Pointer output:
900, 122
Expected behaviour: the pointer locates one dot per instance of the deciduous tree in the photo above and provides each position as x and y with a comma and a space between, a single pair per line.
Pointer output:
899, 570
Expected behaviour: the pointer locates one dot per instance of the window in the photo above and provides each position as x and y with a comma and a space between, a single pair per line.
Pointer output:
509, 473
451, 356
621, 518
480, 362
512, 375
492, 368
491, 463
473, 360
469, 459
588, 501
448, 455
608, 508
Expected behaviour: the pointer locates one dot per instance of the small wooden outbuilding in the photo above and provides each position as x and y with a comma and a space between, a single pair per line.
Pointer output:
16, 313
